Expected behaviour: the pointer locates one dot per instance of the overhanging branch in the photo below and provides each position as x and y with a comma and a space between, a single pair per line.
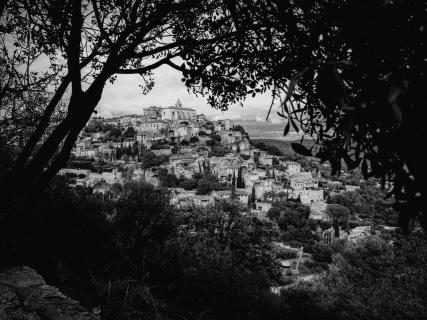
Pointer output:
143, 70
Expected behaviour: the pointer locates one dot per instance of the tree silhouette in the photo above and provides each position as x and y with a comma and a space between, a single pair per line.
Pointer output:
24, 88
240, 180
98, 40
253, 197
358, 89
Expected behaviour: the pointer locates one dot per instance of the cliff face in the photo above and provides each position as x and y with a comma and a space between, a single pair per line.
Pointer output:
24, 295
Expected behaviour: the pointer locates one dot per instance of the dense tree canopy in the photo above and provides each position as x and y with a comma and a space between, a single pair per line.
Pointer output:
227, 257
358, 87
293, 219
339, 215
368, 203
377, 280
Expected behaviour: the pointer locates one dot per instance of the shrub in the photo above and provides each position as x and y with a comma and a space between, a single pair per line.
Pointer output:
322, 253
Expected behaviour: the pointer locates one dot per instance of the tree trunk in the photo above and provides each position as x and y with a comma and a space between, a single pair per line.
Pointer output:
23, 158
29, 182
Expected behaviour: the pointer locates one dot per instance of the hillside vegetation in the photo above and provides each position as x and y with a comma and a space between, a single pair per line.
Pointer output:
284, 146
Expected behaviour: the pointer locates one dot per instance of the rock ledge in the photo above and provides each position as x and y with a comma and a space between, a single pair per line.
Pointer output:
24, 295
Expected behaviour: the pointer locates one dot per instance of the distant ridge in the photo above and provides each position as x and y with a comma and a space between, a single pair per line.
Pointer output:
283, 145
267, 130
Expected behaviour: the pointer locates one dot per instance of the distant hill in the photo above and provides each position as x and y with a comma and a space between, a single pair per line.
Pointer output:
284, 146
267, 130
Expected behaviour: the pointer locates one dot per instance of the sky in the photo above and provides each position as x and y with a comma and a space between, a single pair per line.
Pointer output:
125, 97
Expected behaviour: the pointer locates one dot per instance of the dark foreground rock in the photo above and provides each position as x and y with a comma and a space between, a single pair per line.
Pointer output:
24, 295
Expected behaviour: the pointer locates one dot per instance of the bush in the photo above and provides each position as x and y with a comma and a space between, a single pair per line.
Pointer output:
194, 139
188, 184
217, 151
322, 253
149, 159
286, 254
204, 187
316, 267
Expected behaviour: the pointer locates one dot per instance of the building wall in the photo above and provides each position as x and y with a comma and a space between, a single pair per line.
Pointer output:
230, 137
227, 125
153, 112
152, 126
162, 152
309, 196
263, 206
293, 168
174, 114
183, 131
267, 160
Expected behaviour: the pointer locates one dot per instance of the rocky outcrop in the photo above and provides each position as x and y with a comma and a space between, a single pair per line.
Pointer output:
24, 295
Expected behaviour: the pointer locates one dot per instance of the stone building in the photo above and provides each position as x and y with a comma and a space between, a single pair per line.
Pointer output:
152, 113
177, 112
230, 137
154, 126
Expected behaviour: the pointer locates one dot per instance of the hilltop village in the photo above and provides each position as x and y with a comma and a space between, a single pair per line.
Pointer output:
199, 161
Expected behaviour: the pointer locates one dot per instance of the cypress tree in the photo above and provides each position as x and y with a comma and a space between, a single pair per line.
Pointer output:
233, 188
233, 180
240, 181
253, 197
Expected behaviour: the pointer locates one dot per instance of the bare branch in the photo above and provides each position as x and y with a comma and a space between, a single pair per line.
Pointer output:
73, 49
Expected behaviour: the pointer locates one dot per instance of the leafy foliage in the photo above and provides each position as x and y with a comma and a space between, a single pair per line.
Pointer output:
369, 203
377, 280
136, 256
225, 257
150, 159
293, 219
356, 89
217, 151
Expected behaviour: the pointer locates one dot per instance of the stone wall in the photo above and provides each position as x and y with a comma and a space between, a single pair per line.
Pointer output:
24, 295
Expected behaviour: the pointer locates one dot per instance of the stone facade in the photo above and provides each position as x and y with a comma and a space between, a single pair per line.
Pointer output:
154, 126
175, 113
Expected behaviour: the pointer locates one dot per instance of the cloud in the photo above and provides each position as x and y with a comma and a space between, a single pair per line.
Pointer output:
125, 97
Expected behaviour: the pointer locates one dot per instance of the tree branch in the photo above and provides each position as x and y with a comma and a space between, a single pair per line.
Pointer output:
43, 124
100, 24
73, 49
176, 44
165, 60
176, 67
